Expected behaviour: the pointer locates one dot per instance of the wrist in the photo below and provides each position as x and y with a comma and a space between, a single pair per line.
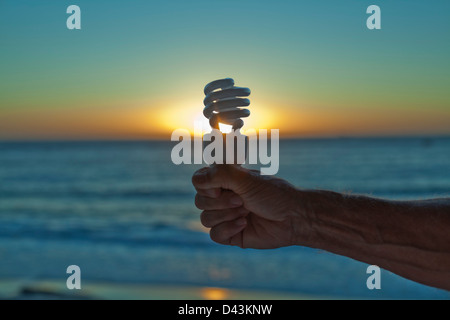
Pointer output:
304, 220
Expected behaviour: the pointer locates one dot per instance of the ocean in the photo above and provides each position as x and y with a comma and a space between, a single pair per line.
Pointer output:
125, 214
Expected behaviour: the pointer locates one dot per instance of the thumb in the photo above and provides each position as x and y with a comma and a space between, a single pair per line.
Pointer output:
230, 177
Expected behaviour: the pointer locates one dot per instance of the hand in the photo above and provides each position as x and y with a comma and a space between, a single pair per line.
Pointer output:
246, 209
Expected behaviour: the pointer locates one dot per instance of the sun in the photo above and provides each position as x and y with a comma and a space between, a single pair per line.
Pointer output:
189, 116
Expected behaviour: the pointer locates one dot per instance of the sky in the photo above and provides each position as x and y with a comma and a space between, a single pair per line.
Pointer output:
137, 68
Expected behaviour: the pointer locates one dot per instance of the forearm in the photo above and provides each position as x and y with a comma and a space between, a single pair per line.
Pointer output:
410, 238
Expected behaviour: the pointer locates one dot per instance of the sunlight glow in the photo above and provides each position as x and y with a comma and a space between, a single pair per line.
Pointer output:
225, 128
214, 293
188, 115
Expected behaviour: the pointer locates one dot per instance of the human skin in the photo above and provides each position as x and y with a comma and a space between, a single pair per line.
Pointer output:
249, 210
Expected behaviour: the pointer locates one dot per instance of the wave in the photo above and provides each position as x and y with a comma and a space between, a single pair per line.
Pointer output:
135, 234
36, 192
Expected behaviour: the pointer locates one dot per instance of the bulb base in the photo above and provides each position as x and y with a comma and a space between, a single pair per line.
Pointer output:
225, 148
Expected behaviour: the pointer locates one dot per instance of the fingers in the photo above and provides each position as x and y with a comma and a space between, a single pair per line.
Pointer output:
229, 232
211, 193
225, 200
217, 194
212, 218
226, 225
205, 178
220, 176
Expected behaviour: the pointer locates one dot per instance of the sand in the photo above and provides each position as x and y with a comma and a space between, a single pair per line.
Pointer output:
56, 290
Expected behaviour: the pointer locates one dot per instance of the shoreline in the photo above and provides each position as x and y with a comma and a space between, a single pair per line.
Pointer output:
17, 289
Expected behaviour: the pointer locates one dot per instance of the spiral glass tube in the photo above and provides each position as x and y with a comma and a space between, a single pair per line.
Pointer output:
224, 103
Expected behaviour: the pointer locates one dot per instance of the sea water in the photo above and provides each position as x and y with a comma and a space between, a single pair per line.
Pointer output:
124, 213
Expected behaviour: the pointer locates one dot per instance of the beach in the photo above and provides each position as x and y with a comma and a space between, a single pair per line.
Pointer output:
56, 290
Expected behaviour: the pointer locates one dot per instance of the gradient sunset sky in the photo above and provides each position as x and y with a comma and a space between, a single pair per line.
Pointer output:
137, 69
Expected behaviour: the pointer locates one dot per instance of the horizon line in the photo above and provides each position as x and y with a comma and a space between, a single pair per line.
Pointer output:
167, 139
